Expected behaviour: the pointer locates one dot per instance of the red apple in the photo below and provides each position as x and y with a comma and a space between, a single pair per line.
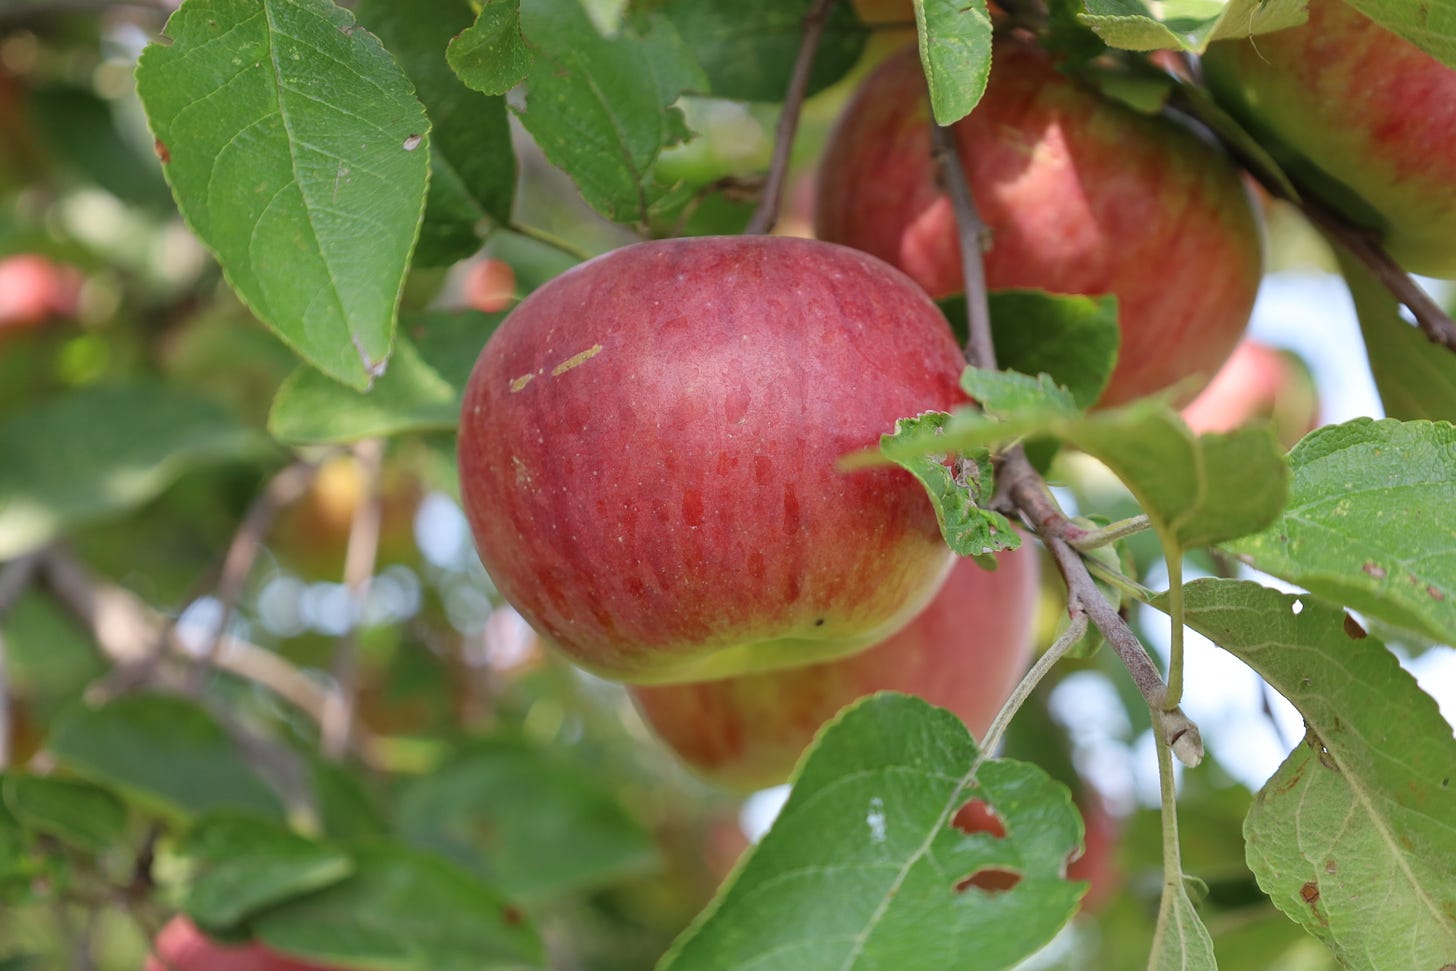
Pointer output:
1082, 195
490, 285
1360, 117
965, 652
648, 451
182, 947
34, 289
1258, 382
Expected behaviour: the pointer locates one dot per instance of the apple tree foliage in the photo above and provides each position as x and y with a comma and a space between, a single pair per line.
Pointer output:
173, 690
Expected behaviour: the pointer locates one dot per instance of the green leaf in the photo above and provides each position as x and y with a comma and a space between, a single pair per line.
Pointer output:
959, 492
1190, 25
240, 865
748, 48
863, 868
600, 108
1352, 837
1006, 394
1416, 378
1371, 522
472, 162
532, 826
161, 750
99, 452
1430, 25
1180, 942
297, 152
1198, 490
491, 56
71, 810
421, 391
348, 810
955, 51
1073, 339
404, 911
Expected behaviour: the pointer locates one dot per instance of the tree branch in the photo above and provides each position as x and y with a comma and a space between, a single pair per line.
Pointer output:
15, 579
339, 714
1028, 492
767, 212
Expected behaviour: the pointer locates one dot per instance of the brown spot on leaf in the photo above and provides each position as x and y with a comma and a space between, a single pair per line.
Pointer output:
162, 151
1330, 865
412, 142
1374, 570
1353, 630
512, 916
1310, 893
1437, 595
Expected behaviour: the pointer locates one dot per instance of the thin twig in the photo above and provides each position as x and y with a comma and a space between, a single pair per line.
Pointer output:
974, 236
767, 212
548, 239
1028, 493
14, 581
125, 628
286, 488
363, 549
1433, 320
1068, 639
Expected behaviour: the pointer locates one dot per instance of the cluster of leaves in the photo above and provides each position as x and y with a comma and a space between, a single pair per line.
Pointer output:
331, 159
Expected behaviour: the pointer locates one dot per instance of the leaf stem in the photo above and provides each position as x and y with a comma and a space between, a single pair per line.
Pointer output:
1064, 643
1118, 580
549, 239
767, 212
1175, 615
1093, 538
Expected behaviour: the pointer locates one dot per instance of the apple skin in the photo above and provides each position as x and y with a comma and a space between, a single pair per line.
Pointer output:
1082, 195
648, 449
490, 285
1257, 382
181, 946
965, 651
1360, 117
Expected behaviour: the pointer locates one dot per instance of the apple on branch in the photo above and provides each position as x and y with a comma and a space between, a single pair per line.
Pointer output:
1360, 117
1081, 195
649, 447
1258, 381
965, 652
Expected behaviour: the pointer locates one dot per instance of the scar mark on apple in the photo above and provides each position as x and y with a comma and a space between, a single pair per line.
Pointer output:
576, 360
521, 382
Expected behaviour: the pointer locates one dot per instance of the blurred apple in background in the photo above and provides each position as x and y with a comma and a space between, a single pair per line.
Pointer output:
1359, 117
35, 289
311, 536
1082, 195
1257, 382
964, 652
649, 449
182, 947
490, 285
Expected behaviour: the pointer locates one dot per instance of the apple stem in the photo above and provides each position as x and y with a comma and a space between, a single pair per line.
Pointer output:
767, 213
337, 725
1075, 631
15, 579
286, 488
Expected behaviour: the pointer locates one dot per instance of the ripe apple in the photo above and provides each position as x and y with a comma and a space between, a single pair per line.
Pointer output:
1082, 195
1258, 381
965, 651
490, 285
648, 450
1362, 119
182, 947
35, 289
